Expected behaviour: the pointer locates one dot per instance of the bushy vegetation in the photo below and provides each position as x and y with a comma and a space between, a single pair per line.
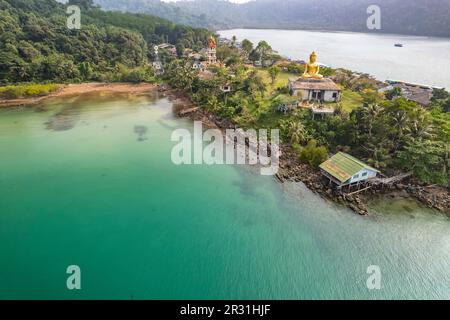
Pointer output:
36, 45
312, 154
28, 90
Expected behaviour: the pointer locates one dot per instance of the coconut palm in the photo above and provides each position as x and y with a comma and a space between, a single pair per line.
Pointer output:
400, 122
446, 163
379, 156
296, 131
421, 126
370, 114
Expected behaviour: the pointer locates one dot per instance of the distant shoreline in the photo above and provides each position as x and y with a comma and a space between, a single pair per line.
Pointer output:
375, 33
375, 55
75, 89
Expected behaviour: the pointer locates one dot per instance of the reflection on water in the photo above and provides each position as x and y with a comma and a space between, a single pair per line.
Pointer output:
65, 119
385, 205
92, 195
70, 110
141, 131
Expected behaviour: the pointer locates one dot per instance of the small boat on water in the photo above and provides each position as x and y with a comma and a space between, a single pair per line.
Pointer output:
399, 45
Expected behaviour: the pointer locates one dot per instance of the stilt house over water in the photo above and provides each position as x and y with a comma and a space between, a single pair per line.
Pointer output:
344, 170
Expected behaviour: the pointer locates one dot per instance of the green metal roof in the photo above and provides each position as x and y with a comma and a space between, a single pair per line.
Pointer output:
343, 166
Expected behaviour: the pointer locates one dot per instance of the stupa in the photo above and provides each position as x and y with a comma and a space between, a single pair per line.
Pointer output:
211, 56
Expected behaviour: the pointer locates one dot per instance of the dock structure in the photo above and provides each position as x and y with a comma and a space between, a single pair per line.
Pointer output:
386, 181
188, 111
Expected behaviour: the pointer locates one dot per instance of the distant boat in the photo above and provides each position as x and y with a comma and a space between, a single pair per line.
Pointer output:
398, 45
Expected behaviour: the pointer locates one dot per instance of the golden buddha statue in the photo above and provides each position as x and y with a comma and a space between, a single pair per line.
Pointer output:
312, 68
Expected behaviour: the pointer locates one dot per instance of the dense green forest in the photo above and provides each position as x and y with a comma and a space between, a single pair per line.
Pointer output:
418, 17
37, 45
170, 11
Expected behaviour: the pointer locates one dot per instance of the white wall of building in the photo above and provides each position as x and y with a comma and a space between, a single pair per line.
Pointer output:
363, 175
307, 95
328, 97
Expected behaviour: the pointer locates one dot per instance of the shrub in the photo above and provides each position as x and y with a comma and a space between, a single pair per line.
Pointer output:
313, 154
393, 93
30, 90
135, 76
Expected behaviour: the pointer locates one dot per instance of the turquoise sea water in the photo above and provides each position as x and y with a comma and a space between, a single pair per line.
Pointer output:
88, 181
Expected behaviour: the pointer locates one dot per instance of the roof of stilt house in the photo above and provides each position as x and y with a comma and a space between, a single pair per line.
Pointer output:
343, 166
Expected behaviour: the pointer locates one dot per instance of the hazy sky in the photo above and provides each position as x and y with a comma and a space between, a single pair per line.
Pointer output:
236, 1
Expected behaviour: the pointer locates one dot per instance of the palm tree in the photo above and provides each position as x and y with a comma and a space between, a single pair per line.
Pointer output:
274, 71
212, 104
421, 126
263, 48
370, 113
446, 163
186, 76
297, 132
400, 122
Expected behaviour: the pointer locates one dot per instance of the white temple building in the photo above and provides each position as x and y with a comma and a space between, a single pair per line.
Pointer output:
309, 89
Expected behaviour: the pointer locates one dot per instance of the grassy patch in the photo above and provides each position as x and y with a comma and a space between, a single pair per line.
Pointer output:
350, 100
28, 90
280, 81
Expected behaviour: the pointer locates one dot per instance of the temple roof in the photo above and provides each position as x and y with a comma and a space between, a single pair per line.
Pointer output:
211, 43
314, 84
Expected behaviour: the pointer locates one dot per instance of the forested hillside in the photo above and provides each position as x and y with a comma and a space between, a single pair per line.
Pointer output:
418, 17
37, 45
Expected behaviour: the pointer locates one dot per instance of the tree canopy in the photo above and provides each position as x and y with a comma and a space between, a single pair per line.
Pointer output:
37, 45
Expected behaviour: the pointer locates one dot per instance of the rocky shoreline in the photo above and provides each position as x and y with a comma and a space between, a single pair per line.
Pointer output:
434, 197
291, 169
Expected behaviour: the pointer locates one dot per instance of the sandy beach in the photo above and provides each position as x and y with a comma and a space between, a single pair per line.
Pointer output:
75, 89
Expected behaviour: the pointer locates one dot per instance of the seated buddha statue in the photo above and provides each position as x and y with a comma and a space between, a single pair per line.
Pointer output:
312, 68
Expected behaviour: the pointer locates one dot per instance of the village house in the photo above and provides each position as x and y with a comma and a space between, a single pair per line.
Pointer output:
224, 41
344, 170
168, 47
226, 88
198, 65
195, 56
420, 94
309, 89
